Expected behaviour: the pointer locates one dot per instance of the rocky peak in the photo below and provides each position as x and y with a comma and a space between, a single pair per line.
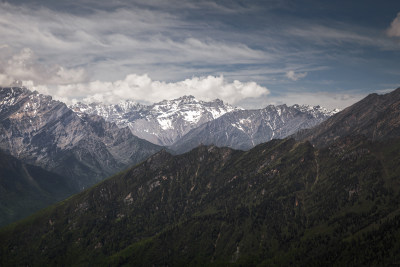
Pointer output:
163, 122
187, 98
316, 111
9, 95
45, 132
244, 129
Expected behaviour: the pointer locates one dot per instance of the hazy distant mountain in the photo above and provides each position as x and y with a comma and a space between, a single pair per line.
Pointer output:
24, 188
44, 132
243, 129
376, 117
162, 123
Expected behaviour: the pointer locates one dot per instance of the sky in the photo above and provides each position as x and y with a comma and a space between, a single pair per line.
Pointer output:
247, 53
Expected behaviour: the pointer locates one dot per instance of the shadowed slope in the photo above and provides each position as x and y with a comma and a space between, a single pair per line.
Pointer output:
25, 189
281, 203
377, 117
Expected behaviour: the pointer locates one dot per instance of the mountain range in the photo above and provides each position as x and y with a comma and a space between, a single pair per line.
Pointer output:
44, 132
244, 129
329, 197
184, 123
161, 123
83, 144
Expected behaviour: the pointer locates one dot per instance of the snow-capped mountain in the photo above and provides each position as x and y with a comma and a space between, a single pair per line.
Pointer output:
186, 122
244, 129
162, 123
316, 111
45, 132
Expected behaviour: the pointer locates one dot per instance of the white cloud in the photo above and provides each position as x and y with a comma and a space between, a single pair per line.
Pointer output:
77, 53
329, 100
143, 89
340, 34
133, 39
394, 29
295, 76
5, 80
25, 66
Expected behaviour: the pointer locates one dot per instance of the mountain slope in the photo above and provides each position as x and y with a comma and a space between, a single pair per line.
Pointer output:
244, 129
44, 132
161, 123
376, 117
25, 189
280, 203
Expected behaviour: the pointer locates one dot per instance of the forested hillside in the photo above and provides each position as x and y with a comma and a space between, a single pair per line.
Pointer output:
283, 202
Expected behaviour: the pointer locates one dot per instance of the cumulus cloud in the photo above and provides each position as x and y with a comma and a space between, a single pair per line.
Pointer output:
72, 84
143, 89
25, 66
394, 29
5, 80
85, 50
295, 76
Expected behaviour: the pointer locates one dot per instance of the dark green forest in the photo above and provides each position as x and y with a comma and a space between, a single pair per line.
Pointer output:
282, 203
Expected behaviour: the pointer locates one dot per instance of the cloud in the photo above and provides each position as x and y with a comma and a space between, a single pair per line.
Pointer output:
25, 66
295, 76
129, 38
394, 29
143, 89
5, 80
340, 35
329, 100
87, 48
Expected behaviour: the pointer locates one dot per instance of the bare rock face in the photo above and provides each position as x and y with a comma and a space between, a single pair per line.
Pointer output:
244, 129
186, 122
44, 132
162, 123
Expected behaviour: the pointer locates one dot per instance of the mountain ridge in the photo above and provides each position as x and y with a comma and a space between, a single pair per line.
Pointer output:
284, 202
161, 123
244, 129
376, 117
202, 207
45, 132
173, 122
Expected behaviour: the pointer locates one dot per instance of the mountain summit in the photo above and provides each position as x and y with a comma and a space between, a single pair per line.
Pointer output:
162, 123
186, 122
244, 129
44, 132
